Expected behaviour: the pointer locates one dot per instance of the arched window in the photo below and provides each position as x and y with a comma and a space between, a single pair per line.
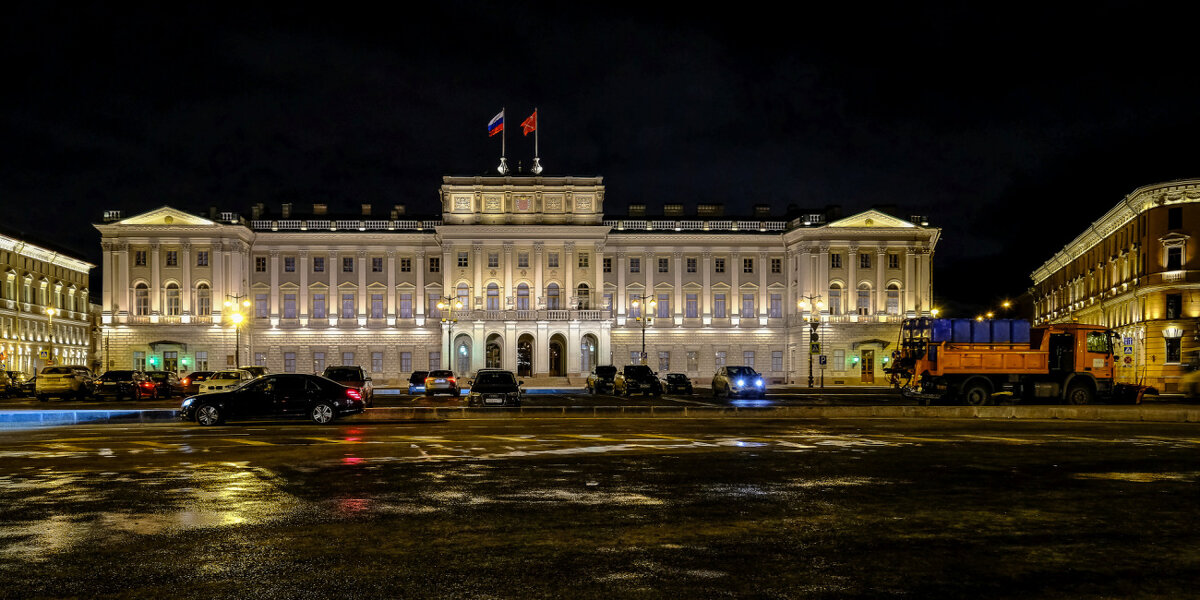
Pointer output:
464, 296
835, 299
493, 297
863, 305
893, 299
172, 299
141, 300
552, 297
203, 300
584, 295
522, 297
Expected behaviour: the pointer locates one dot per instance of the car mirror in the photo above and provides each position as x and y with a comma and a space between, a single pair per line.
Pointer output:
520, 383
367, 379
470, 382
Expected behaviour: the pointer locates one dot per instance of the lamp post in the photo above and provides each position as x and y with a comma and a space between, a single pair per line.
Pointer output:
50, 312
644, 316
446, 307
235, 303
813, 305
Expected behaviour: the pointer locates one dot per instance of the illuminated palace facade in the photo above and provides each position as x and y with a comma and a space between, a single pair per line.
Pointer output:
1134, 270
521, 273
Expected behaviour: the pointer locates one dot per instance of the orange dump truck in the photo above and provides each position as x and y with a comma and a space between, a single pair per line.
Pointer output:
976, 362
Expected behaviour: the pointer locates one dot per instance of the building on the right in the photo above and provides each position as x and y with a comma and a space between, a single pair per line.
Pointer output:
1134, 270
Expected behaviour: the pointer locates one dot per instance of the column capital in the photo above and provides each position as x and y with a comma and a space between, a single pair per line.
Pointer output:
539, 247
763, 254
391, 254
620, 254
648, 255
303, 255
824, 248
186, 246
706, 253
853, 249
477, 247
598, 247
881, 250
362, 254
106, 246
677, 254
569, 246
154, 244
274, 252
508, 248
420, 254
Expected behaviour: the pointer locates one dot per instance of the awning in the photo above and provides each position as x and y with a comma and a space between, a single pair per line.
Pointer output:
154, 345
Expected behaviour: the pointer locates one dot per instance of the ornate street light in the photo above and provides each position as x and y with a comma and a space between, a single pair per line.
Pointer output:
445, 306
645, 316
50, 312
814, 324
235, 303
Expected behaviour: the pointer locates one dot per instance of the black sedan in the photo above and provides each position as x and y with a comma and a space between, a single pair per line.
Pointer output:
678, 383
494, 387
280, 395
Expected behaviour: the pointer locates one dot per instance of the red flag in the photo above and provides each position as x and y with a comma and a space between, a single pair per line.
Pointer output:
530, 124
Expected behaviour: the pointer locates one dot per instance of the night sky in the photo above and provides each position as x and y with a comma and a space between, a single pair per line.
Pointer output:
1012, 126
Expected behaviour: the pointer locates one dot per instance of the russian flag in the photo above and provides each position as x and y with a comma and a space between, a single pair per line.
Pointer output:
496, 125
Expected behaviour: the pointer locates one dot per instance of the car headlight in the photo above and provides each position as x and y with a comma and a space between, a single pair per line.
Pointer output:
187, 403
758, 382
740, 382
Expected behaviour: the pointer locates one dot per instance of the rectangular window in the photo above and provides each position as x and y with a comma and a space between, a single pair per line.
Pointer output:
493, 260
1174, 306
893, 261
864, 302
202, 258
289, 306
608, 265
693, 361
435, 264
347, 264
777, 265
1174, 258
406, 306
318, 306
864, 260
747, 265
318, 264
748, 358
347, 306
431, 306
835, 261
406, 265
377, 362
139, 361
318, 362
435, 360
522, 260
839, 360
691, 309
376, 264
464, 259
775, 309
260, 264
635, 306
348, 358
664, 361
405, 362
664, 265
376, 306
719, 358
1173, 350
289, 264
172, 258
691, 264
893, 301
635, 357
260, 359
664, 306
1175, 217
202, 360
719, 265
139, 258
584, 260
289, 362
635, 265
747, 306
260, 306
777, 361
718, 306
552, 260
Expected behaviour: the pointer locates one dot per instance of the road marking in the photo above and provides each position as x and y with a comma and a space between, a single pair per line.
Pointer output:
334, 441
590, 437
663, 437
510, 438
249, 442
67, 447
157, 444
997, 438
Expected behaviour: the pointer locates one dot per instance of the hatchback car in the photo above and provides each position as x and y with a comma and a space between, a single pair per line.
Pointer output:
441, 381
125, 384
167, 382
494, 387
281, 395
416, 383
355, 377
678, 383
738, 382
64, 381
223, 380
191, 382
600, 380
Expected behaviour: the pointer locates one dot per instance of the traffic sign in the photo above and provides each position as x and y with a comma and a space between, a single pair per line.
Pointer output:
814, 348
43, 354
1128, 349
822, 360
1127, 341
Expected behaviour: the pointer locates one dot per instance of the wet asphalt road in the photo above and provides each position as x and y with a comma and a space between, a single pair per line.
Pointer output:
601, 509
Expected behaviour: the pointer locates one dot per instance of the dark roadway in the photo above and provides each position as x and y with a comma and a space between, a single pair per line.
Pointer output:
602, 508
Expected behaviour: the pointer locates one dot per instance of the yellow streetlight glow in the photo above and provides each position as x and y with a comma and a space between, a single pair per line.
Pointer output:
990, 314
236, 318
934, 312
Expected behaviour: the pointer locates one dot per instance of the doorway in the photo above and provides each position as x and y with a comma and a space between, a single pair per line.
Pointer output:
492, 356
868, 367
558, 356
525, 356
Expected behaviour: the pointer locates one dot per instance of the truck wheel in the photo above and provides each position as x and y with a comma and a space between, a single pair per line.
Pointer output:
976, 394
1080, 394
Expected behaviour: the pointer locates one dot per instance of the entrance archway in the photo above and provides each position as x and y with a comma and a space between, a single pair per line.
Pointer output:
558, 356
462, 355
587, 353
525, 355
494, 352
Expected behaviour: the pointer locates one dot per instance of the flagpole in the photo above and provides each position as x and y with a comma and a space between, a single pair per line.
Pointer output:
503, 168
537, 165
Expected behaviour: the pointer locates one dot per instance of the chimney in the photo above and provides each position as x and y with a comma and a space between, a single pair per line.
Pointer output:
256, 211
637, 210
673, 210
286, 210
710, 210
398, 209
762, 211
366, 210
319, 209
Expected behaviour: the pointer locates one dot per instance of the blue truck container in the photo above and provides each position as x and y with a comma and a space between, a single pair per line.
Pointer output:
995, 331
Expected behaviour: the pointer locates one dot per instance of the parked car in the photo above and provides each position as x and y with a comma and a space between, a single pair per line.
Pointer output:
134, 385
64, 381
223, 380
416, 382
281, 395
678, 383
637, 379
441, 381
355, 377
13, 384
256, 370
738, 382
494, 387
167, 383
600, 380
191, 382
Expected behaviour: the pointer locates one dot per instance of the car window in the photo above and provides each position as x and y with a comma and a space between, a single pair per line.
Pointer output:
117, 375
441, 373
418, 376
741, 372
344, 374
495, 378
606, 370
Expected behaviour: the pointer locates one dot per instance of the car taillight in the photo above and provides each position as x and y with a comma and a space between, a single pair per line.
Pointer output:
186, 381
451, 380
428, 380
353, 394
147, 384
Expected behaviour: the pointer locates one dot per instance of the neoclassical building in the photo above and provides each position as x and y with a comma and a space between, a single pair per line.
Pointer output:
522, 273
1134, 270
44, 308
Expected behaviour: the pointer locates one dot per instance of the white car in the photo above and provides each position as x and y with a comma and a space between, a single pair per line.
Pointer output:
224, 380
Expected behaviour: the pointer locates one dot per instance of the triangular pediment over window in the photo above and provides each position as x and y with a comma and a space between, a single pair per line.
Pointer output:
166, 216
871, 218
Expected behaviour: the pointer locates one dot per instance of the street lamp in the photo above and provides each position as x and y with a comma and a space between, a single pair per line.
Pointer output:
814, 324
644, 317
50, 312
235, 303
444, 308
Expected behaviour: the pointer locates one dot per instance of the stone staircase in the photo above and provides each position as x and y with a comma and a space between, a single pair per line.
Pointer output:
553, 382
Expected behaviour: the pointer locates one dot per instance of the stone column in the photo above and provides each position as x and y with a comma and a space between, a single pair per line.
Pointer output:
216, 259
391, 288
598, 294
508, 292
538, 249
155, 279
734, 304
569, 269
677, 265
822, 270
421, 295
477, 287
851, 294
763, 296
364, 300
304, 301
880, 281
706, 265
274, 307
334, 300
648, 268
619, 296
110, 282
186, 291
